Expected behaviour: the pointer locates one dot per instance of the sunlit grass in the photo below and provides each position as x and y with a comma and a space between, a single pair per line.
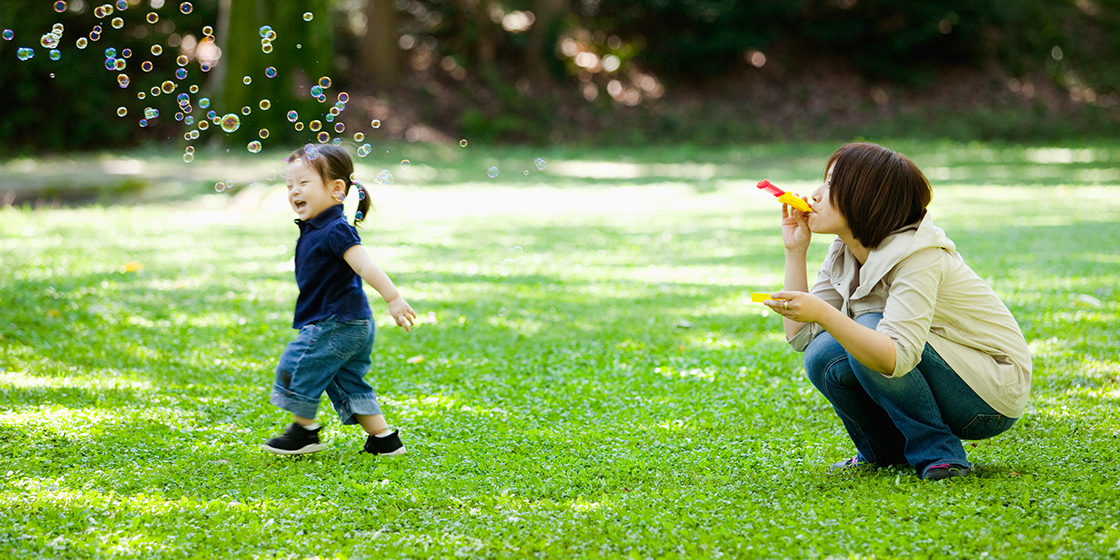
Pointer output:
593, 380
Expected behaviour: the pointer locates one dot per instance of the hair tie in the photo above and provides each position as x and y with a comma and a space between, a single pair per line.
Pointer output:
361, 190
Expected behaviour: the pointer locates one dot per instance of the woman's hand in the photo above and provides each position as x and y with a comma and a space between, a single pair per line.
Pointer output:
798, 306
795, 229
402, 313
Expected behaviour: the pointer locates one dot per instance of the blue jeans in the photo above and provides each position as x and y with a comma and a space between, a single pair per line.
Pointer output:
332, 357
918, 418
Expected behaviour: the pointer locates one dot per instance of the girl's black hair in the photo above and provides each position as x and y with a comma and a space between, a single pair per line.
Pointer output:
333, 163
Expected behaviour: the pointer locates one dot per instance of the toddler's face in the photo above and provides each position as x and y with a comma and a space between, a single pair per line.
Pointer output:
307, 194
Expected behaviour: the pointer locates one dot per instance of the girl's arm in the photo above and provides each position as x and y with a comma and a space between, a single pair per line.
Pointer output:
358, 260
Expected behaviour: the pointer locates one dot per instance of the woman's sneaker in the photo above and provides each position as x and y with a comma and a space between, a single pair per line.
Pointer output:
848, 463
945, 470
297, 440
388, 446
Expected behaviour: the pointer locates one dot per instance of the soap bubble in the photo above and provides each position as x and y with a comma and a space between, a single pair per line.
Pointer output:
153, 17
207, 30
293, 116
270, 72
324, 137
310, 151
181, 73
60, 6
384, 177
81, 43
120, 64
168, 86
254, 146
146, 66
308, 16
183, 99
122, 111
188, 157
155, 91
182, 60
204, 103
9, 34
343, 97
298, 126
405, 163
220, 186
55, 54
315, 125
143, 123
540, 163
246, 110
339, 128
190, 149
526, 172
270, 175
266, 47
203, 125
127, 53
49, 41
358, 136
122, 5
364, 150
110, 53
117, 23
151, 112
247, 80
316, 90
375, 123
186, 7
492, 172
263, 133
463, 143
231, 122
141, 95
337, 141
193, 88
122, 80
264, 30
325, 82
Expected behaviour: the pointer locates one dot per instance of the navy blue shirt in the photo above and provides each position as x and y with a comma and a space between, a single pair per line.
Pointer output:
327, 284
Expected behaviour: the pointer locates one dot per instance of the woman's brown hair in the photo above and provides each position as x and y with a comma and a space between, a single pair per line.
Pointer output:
331, 163
877, 190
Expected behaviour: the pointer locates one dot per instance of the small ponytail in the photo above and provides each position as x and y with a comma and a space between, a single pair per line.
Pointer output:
363, 203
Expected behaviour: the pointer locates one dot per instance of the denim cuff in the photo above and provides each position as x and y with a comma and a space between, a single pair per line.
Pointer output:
365, 405
293, 402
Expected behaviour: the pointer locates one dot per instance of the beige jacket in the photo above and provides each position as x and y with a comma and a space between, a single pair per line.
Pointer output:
926, 293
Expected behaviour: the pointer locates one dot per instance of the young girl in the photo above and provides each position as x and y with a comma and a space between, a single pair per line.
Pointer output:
911, 347
332, 351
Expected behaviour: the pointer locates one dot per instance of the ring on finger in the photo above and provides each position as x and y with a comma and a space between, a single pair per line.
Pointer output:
787, 304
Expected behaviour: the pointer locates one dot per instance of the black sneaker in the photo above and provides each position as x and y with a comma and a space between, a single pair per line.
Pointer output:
297, 440
388, 446
945, 470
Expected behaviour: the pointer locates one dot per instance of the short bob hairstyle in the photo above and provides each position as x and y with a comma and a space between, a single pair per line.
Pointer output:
876, 190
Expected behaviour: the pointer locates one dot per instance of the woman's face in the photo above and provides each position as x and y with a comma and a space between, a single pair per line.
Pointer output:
825, 218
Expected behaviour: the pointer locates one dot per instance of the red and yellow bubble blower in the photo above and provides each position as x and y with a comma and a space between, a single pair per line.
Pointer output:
783, 196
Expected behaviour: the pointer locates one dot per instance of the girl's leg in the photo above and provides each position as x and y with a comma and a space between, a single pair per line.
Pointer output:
876, 438
305, 370
354, 398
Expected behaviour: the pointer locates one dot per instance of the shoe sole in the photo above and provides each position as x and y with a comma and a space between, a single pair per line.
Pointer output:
395, 453
312, 448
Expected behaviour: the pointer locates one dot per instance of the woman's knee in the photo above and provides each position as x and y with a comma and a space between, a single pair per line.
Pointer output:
821, 358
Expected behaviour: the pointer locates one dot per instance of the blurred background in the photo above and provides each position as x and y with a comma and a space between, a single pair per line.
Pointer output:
553, 72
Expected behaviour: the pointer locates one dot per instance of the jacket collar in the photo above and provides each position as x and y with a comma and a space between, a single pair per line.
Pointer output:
325, 217
900, 244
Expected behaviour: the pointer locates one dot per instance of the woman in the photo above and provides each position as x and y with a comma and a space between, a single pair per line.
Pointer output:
911, 347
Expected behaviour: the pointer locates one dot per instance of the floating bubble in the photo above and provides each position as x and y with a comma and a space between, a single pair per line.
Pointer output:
213, 116
157, 50
122, 80
316, 91
81, 43
190, 149
406, 164
334, 111
194, 133
194, 88
155, 91
49, 41
329, 117
375, 123
270, 175
167, 86
122, 111
463, 143
25, 53
310, 151
339, 128
384, 177
343, 97
263, 133
220, 186
315, 125
293, 116
141, 95
492, 172
205, 66
183, 99
247, 80
341, 105
182, 60
203, 125
361, 194
265, 29
117, 23
152, 18
146, 66
143, 123
266, 48
254, 146
308, 16
265, 104
110, 53
189, 121
540, 163
127, 53
298, 126
99, 12
122, 5
526, 172
246, 110
324, 137
181, 73
60, 6
358, 136
230, 122
229, 184
94, 35
186, 7
9, 35
325, 82
364, 150
55, 54
204, 103
270, 72
151, 112
120, 64
188, 158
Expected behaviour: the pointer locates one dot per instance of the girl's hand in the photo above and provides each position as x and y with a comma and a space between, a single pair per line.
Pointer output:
797, 306
402, 313
795, 229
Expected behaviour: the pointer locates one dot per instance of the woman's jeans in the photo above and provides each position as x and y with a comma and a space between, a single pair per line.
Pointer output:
330, 357
917, 418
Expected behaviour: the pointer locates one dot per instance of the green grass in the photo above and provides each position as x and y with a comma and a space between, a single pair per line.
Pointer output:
602, 391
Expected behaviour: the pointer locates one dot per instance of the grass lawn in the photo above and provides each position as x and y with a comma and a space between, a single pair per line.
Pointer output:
593, 381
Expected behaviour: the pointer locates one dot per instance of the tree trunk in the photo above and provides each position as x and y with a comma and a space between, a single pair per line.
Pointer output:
377, 53
542, 40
